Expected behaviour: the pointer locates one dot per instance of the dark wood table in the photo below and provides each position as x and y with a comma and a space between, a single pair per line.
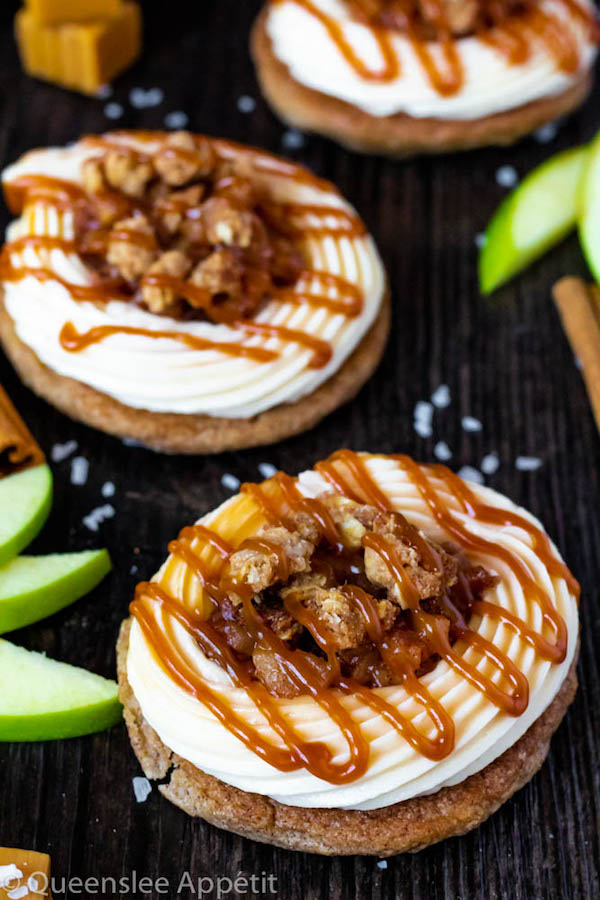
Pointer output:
506, 362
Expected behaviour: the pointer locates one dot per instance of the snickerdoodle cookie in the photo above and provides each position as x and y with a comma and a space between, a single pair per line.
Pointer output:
187, 292
401, 78
368, 658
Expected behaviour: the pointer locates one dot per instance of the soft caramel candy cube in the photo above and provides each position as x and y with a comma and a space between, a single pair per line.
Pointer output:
24, 870
82, 56
57, 12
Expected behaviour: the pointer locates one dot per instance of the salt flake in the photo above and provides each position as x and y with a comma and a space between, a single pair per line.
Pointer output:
230, 482
382, 864
61, 451
141, 99
176, 119
104, 92
141, 788
441, 396
480, 240
423, 429
113, 110
490, 463
506, 176
546, 133
442, 451
9, 873
108, 489
469, 473
267, 470
246, 104
18, 892
293, 139
94, 519
470, 423
528, 463
80, 468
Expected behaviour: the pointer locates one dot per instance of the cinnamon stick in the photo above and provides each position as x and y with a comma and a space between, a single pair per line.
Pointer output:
18, 448
579, 307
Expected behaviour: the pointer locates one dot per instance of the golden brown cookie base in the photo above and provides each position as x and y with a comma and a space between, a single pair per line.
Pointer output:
404, 827
177, 433
398, 135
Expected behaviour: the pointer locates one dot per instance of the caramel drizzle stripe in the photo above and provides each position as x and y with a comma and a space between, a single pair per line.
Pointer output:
512, 38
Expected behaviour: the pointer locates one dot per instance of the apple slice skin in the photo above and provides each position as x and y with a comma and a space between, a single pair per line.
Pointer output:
589, 220
75, 574
41, 687
28, 521
500, 258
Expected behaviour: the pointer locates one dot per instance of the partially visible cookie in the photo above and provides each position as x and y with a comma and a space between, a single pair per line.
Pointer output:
322, 101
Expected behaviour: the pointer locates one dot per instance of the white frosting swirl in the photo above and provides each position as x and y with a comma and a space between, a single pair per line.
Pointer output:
159, 374
396, 771
491, 84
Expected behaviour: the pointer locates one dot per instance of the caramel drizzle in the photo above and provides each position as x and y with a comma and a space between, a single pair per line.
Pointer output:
512, 36
74, 342
278, 499
18, 448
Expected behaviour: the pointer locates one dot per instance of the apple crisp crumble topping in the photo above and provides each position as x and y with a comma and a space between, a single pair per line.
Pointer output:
349, 603
188, 234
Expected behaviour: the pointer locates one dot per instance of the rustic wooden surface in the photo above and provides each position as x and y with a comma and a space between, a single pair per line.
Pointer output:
506, 362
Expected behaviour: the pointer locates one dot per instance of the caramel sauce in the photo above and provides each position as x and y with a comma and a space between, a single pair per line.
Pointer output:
514, 36
72, 341
278, 500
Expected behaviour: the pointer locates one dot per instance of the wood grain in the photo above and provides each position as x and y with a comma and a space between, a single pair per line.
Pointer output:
506, 361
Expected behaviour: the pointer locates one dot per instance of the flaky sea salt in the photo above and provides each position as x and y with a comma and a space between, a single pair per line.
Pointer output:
133, 570
469, 473
442, 451
94, 519
507, 176
267, 470
33, 884
8, 874
230, 482
490, 463
246, 104
18, 893
113, 110
423, 429
80, 468
423, 416
141, 98
480, 240
470, 423
382, 864
441, 397
292, 139
108, 489
176, 119
104, 92
61, 451
528, 463
141, 788
546, 133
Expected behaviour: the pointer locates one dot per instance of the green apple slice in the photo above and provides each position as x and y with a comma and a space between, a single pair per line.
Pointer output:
589, 220
534, 217
25, 502
42, 699
33, 587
